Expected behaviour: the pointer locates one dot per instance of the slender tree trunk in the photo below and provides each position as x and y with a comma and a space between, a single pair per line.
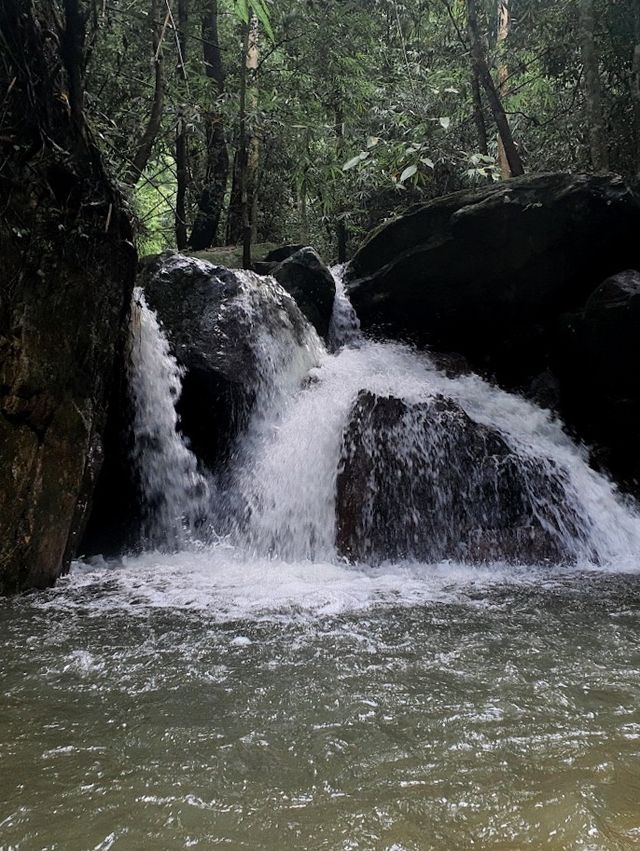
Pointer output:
342, 234
211, 200
478, 114
247, 153
251, 157
484, 74
145, 145
182, 152
241, 176
234, 213
593, 93
504, 27
72, 44
635, 84
245, 160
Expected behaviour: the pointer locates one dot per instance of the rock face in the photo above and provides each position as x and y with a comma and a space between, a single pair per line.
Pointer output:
487, 272
68, 271
424, 481
277, 255
309, 281
217, 321
230, 331
596, 357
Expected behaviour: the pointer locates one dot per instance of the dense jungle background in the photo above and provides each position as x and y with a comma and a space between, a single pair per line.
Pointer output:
313, 120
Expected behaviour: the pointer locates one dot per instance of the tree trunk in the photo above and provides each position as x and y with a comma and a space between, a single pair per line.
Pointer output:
68, 273
251, 152
245, 161
478, 114
635, 84
593, 94
182, 152
342, 234
504, 27
484, 74
211, 200
234, 214
145, 145
72, 44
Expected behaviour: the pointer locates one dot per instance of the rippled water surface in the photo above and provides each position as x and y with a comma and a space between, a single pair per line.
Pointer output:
201, 700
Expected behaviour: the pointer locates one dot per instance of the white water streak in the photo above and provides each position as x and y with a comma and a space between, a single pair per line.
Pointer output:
174, 493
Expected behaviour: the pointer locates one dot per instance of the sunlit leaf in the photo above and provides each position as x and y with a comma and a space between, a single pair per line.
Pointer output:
354, 161
409, 171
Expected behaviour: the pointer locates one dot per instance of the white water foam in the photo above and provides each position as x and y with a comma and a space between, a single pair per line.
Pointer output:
294, 467
174, 493
344, 329
281, 555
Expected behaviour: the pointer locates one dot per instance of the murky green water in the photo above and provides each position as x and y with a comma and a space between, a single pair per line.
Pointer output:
342, 714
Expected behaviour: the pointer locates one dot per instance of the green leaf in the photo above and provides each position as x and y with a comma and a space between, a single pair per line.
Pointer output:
428, 162
261, 11
372, 141
241, 8
354, 161
409, 171
445, 122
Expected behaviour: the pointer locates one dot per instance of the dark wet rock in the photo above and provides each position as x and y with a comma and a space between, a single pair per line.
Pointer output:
596, 357
424, 481
221, 324
309, 281
214, 318
283, 252
68, 266
487, 272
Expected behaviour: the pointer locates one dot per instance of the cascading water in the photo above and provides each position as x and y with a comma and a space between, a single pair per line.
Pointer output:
278, 496
174, 493
344, 329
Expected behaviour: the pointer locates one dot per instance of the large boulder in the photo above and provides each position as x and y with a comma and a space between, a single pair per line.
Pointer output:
222, 326
309, 281
486, 272
596, 357
424, 481
282, 252
231, 333
68, 272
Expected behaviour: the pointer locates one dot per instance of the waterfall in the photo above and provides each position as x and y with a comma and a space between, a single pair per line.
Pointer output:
276, 497
345, 325
174, 494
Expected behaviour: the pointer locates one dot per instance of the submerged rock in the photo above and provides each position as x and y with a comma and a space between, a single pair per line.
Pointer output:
486, 272
309, 281
424, 481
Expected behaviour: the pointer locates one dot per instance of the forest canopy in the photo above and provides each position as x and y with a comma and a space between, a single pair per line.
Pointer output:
312, 121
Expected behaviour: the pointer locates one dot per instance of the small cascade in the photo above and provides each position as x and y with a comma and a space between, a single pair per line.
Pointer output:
453, 468
174, 494
345, 325
285, 355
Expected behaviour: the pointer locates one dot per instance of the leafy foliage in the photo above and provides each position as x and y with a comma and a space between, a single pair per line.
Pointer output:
363, 107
